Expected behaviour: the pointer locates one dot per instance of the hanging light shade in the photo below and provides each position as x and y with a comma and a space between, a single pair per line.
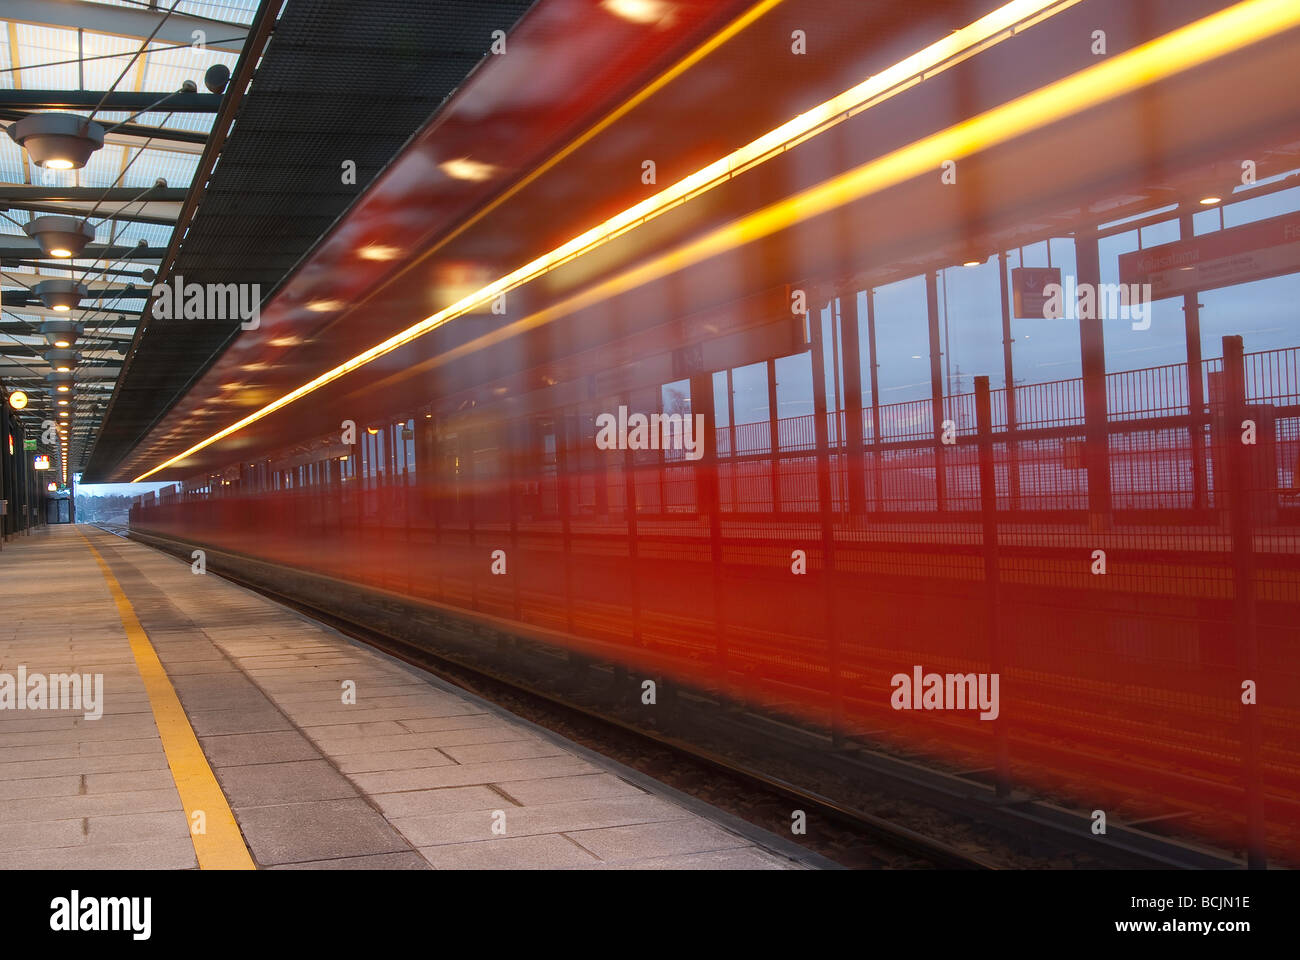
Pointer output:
63, 384
57, 141
60, 333
970, 255
62, 360
60, 294
60, 236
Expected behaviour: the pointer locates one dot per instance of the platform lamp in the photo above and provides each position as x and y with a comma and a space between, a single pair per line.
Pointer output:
972, 256
62, 384
62, 360
1214, 187
61, 333
57, 141
60, 294
60, 237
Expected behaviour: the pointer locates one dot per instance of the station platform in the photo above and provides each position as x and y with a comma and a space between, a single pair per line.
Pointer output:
212, 727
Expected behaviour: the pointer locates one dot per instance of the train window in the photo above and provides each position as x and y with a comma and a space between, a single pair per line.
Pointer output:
970, 327
548, 495
675, 401
1270, 325
902, 341
794, 401
406, 447
1127, 348
750, 409
1044, 350
830, 341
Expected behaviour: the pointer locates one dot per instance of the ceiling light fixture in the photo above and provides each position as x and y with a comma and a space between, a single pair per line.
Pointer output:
60, 294
57, 141
61, 237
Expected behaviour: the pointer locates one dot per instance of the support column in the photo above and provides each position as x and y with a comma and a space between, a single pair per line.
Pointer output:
825, 512
1009, 377
1092, 347
992, 574
877, 475
633, 552
566, 527
853, 400
708, 497
1238, 502
774, 437
1195, 383
936, 387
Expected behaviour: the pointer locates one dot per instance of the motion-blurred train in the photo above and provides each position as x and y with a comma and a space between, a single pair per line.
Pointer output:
702, 343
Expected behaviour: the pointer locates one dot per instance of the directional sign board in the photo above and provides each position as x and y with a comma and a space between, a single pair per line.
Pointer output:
1266, 248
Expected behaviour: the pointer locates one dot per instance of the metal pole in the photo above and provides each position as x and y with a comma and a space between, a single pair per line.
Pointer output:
1092, 348
853, 431
826, 513
877, 480
992, 580
936, 387
1195, 387
1240, 520
1009, 376
773, 437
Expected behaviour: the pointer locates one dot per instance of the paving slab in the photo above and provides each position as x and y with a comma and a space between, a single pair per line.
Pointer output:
416, 774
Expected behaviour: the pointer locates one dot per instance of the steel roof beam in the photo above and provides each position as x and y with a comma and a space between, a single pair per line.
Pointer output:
93, 282
13, 248
70, 209
113, 100
28, 193
135, 134
81, 315
126, 22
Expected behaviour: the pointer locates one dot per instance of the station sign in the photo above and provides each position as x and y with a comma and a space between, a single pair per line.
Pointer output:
18, 400
1028, 290
41, 461
1254, 251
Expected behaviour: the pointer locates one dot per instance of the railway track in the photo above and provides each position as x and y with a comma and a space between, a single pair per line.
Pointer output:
936, 819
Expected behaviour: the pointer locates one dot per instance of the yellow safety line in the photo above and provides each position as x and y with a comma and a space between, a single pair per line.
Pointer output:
221, 846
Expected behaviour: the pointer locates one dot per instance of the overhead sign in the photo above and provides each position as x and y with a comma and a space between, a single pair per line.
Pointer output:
1027, 286
1268, 248
18, 400
41, 461
28, 444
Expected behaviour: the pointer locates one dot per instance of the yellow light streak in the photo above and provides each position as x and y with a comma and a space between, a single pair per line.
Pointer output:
1214, 36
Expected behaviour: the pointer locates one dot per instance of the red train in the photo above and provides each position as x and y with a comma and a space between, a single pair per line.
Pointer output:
655, 361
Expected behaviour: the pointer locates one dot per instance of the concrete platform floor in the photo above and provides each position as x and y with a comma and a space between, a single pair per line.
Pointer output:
259, 761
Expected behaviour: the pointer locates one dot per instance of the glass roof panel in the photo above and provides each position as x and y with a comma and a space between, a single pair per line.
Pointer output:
36, 57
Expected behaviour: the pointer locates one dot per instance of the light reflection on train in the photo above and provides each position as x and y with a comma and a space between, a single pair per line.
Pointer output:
790, 496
